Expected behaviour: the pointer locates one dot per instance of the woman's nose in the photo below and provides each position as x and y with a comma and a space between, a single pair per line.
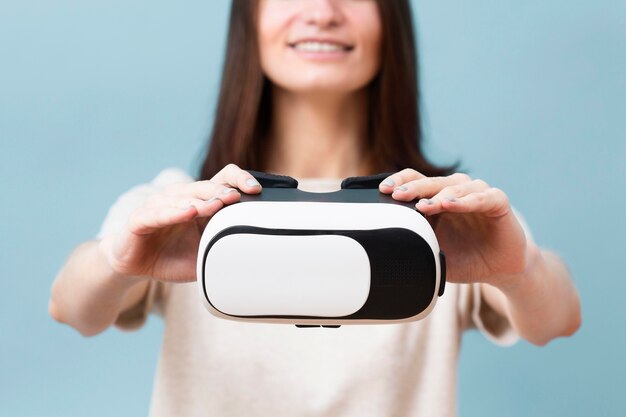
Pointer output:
324, 13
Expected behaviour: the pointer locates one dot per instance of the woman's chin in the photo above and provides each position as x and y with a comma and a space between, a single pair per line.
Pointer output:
323, 87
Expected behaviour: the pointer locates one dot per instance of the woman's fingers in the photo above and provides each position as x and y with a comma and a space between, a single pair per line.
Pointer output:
449, 195
473, 197
202, 190
398, 179
174, 211
492, 202
428, 186
147, 220
206, 190
456, 193
224, 185
233, 176
180, 203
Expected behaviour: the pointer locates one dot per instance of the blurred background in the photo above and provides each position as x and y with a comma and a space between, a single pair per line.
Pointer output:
96, 97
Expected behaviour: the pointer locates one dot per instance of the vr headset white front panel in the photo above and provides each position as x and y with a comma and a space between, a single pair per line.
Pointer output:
323, 276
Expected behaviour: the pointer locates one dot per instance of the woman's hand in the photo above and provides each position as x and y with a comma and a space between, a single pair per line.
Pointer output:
485, 243
474, 224
161, 237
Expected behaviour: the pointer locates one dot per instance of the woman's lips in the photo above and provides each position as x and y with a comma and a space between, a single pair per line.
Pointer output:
320, 46
320, 50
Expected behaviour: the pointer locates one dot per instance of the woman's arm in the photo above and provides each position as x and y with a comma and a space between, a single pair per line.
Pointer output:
89, 295
541, 303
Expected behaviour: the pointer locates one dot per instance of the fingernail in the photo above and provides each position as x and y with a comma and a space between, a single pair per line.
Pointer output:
389, 182
402, 188
425, 201
228, 190
211, 200
252, 182
451, 199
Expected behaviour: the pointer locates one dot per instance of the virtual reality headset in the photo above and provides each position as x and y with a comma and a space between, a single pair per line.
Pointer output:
354, 256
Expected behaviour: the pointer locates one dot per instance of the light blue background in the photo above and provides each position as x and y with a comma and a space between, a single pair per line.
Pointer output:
98, 96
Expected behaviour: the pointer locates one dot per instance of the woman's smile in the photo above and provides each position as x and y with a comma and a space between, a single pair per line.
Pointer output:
321, 49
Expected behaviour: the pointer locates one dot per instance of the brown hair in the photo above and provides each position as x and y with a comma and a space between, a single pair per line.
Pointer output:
244, 106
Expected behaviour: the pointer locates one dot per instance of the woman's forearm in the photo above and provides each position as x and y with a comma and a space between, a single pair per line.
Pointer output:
88, 295
542, 302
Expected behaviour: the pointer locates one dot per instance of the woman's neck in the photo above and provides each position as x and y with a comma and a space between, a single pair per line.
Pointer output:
317, 136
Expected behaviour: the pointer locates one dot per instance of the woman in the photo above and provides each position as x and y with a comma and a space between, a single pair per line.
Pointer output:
319, 90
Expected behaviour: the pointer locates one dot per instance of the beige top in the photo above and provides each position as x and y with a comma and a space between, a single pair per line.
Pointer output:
215, 367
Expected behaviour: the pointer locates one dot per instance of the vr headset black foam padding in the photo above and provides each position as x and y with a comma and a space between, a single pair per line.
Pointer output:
354, 256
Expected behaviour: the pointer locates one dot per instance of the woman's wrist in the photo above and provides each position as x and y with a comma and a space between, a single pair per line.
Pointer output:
521, 281
113, 275
528, 298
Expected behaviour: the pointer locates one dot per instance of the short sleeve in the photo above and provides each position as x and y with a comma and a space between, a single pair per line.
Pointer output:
477, 313
116, 218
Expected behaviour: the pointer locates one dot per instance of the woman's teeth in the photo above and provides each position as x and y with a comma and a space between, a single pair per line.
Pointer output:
319, 47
